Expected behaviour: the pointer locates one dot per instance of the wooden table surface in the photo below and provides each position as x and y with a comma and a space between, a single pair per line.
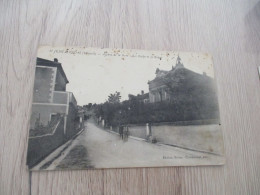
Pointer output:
229, 30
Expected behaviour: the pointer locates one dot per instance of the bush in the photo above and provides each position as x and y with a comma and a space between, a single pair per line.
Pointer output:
135, 112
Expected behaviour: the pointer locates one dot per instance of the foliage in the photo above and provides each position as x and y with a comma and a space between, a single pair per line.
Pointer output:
114, 98
136, 112
192, 98
88, 106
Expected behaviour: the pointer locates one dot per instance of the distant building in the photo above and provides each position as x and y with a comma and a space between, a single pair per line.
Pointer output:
50, 98
143, 97
179, 83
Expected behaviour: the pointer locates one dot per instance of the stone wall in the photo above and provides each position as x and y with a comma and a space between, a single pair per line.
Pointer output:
137, 131
206, 138
201, 135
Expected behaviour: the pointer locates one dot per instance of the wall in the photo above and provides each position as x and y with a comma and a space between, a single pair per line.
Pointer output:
40, 147
45, 111
115, 129
138, 131
60, 97
197, 137
71, 123
60, 82
44, 84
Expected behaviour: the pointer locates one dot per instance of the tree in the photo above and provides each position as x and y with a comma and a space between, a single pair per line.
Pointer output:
114, 98
174, 81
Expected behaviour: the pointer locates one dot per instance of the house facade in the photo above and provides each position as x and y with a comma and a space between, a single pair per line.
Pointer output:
159, 89
189, 91
50, 98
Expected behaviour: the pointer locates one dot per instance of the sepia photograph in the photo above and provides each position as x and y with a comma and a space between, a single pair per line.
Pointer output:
117, 108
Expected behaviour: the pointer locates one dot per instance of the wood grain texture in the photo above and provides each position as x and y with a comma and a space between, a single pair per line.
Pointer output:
229, 30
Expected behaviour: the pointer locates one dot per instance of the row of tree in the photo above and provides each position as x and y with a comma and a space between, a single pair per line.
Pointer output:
133, 111
192, 97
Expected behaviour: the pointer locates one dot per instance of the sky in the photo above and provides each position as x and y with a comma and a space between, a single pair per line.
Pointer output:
94, 73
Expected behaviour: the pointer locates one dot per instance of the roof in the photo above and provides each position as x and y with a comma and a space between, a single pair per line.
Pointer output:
139, 96
55, 63
143, 96
170, 74
161, 74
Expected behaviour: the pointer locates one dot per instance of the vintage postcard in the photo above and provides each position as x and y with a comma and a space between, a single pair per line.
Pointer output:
113, 108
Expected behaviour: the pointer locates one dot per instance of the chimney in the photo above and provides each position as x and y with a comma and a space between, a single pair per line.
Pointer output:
55, 60
142, 92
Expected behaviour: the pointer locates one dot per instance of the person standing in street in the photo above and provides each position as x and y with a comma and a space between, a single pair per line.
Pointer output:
121, 132
125, 133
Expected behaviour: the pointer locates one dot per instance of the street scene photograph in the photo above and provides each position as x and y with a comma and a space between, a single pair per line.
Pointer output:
98, 108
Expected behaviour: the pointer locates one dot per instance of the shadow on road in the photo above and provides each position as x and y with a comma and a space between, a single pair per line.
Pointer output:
77, 158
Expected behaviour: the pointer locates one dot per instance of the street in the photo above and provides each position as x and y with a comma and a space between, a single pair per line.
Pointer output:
98, 148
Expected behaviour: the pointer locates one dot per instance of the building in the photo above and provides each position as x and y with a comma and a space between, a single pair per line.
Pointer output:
51, 100
187, 94
142, 98
179, 83
159, 89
